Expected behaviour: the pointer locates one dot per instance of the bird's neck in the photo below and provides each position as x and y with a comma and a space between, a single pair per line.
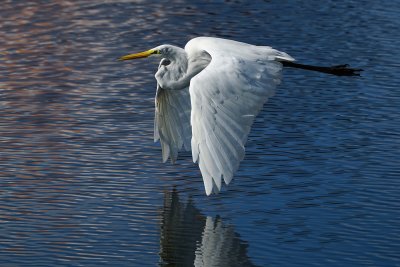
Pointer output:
175, 75
180, 63
188, 68
183, 67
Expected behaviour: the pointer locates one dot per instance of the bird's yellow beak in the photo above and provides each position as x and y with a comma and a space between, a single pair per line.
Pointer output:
139, 55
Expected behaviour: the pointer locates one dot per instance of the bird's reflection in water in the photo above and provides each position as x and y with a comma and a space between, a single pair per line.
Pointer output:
189, 238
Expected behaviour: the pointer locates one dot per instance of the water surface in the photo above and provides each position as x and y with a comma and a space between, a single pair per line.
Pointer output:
82, 184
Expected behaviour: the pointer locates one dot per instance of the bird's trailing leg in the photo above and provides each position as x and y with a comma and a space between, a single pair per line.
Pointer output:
338, 70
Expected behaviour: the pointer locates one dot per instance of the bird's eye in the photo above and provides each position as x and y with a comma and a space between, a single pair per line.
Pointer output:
165, 62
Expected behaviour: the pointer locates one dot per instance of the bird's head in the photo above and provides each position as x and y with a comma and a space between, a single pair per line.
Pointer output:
165, 51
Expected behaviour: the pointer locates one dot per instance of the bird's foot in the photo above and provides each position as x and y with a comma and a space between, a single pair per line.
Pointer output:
344, 70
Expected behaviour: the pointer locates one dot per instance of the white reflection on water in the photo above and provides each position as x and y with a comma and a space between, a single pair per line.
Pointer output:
190, 238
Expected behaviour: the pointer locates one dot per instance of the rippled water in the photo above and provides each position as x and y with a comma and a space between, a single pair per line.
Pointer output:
82, 184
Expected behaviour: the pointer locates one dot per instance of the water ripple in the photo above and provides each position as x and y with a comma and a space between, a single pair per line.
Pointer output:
81, 182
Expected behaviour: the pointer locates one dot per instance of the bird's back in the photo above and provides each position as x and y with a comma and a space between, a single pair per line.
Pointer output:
218, 46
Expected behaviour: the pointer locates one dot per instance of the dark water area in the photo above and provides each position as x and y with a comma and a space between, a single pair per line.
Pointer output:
82, 183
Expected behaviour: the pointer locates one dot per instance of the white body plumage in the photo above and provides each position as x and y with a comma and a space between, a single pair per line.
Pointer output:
207, 97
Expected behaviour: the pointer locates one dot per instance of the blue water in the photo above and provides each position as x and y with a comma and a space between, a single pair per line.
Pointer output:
82, 183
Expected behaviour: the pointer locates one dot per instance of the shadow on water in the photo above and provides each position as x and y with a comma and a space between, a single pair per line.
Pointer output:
190, 238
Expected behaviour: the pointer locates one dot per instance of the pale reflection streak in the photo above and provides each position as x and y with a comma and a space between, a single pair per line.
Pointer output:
43, 84
33, 83
189, 238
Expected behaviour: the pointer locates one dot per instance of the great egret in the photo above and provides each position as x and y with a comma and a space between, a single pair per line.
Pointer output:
208, 95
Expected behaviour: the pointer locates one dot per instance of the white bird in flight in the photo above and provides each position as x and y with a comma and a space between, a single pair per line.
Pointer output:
208, 95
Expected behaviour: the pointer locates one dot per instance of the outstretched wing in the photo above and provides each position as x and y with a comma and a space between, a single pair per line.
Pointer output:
172, 121
226, 96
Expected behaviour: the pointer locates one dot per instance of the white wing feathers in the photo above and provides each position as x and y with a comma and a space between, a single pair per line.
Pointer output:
218, 108
172, 121
225, 98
